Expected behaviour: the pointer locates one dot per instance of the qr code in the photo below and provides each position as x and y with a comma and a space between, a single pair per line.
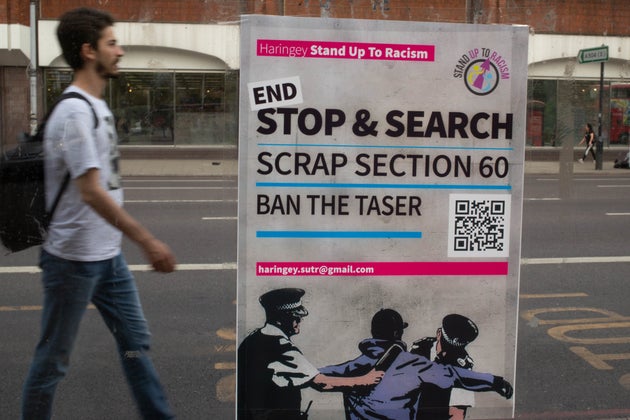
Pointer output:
479, 225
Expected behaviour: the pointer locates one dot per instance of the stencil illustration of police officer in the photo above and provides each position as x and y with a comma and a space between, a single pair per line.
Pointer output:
271, 370
448, 347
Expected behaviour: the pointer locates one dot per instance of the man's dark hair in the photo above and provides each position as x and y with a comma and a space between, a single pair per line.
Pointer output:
78, 27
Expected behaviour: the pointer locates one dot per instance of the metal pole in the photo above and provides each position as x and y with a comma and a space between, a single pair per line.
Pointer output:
32, 71
599, 144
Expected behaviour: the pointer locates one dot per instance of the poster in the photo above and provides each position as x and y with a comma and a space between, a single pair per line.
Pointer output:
380, 168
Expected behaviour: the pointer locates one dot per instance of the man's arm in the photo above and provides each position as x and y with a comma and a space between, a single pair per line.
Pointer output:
355, 367
347, 374
337, 383
156, 252
446, 376
477, 381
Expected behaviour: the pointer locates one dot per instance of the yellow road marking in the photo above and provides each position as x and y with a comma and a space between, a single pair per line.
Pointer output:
598, 360
19, 308
532, 315
225, 366
624, 381
560, 333
226, 389
227, 333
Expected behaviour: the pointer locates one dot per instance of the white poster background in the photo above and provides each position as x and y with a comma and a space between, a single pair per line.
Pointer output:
286, 171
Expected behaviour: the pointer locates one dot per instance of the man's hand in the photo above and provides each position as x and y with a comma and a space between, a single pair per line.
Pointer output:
373, 377
159, 255
502, 387
423, 346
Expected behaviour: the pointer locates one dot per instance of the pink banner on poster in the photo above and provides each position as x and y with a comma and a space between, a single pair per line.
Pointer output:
328, 268
344, 50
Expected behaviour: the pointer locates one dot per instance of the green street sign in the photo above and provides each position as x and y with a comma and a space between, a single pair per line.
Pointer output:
593, 55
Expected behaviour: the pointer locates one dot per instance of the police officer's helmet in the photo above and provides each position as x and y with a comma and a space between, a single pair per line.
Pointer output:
458, 330
286, 301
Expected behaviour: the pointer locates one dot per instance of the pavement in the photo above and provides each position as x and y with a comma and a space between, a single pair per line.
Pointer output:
547, 167
179, 167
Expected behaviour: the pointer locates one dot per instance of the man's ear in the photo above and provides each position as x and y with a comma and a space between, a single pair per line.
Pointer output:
87, 51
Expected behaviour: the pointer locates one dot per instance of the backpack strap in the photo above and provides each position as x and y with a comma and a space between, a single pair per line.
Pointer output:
49, 215
76, 95
66, 179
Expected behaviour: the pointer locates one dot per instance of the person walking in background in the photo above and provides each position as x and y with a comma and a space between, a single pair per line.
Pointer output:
589, 140
81, 259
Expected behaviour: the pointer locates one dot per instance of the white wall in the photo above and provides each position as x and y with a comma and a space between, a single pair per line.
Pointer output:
160, 45
15, 47
555, 56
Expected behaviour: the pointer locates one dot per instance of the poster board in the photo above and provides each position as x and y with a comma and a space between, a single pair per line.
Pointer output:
381, 166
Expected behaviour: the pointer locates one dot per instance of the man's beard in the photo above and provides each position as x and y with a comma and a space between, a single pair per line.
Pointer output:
100, 69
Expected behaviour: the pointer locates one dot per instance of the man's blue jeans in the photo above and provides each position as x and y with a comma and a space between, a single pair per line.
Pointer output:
69, 286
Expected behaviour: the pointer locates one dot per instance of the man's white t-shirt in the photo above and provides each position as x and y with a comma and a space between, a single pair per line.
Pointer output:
72, 145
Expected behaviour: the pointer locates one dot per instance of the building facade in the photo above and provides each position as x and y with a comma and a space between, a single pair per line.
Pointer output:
180, 74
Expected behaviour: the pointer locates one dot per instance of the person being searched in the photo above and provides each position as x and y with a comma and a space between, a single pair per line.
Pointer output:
589, 141
272, 371
81, 259
448, 347
398, 393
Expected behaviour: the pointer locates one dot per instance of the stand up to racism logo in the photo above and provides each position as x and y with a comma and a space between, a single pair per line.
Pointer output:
482, 69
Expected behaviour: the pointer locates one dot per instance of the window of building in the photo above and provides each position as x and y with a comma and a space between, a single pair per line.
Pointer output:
167, 108
558, 110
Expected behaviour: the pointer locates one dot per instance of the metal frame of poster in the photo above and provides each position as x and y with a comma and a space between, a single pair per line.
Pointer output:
380, 168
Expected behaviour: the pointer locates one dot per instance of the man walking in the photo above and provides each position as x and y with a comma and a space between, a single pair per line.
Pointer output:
81, 259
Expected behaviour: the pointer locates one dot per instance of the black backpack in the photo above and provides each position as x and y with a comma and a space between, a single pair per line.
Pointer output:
23, 217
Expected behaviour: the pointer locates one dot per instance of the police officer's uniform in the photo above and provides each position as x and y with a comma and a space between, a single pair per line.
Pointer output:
271, 369
457, 332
